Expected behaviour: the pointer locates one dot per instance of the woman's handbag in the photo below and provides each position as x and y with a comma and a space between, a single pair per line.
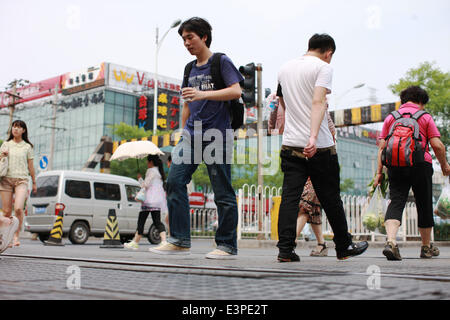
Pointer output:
3, 167
141, 195
3, 162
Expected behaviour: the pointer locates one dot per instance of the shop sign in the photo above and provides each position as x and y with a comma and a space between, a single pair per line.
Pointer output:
137, 81
33, 91
83, 100
168, 111
89, 78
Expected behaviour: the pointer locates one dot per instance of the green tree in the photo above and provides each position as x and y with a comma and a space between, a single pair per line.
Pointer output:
127, 132
437, 84
347, 185
201, 178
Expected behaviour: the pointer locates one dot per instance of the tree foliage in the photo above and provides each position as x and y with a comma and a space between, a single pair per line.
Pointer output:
437, 84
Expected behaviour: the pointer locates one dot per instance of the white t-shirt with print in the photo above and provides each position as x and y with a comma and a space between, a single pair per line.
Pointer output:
297, 79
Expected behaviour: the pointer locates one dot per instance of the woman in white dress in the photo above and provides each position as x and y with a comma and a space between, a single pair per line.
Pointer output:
155, 200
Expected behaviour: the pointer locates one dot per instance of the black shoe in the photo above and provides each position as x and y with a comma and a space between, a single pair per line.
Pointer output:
288, 257
354, 249
392, 252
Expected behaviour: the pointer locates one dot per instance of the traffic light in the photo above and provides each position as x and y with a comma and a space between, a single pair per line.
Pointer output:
249, 84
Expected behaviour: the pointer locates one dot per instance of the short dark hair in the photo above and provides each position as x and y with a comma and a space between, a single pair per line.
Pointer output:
322, 42
199, 26
414, 94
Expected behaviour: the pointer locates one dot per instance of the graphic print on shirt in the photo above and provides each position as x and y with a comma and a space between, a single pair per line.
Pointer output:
202, 82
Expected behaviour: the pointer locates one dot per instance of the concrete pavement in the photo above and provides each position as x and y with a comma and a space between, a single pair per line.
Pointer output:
255, 275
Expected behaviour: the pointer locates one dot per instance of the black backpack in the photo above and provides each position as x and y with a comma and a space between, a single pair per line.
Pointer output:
235, 107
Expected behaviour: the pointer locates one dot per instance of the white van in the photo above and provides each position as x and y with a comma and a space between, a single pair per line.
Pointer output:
85, 198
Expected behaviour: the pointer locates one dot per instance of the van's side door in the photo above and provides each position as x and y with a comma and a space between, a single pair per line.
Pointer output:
107, 196
133, 207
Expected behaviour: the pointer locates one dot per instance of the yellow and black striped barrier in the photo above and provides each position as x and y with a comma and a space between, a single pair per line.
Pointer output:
111, 238
57, 231
363, 115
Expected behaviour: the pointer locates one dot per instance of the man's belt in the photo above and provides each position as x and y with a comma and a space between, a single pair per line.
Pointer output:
298, 152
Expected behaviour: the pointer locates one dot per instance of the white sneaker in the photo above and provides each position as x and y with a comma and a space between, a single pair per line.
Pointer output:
131, 245
170, 249
220, 255
7, 234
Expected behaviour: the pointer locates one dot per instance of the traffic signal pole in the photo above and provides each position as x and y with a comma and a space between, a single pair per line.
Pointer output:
249, 86
260, 137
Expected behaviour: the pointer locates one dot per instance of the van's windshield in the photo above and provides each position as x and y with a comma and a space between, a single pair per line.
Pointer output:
47, 186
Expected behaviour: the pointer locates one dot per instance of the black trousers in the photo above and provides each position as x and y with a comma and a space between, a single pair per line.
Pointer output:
323, 169
401, 179
156, 217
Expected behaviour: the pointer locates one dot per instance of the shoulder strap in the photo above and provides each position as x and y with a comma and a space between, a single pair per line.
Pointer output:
187, 72
216, 73
416, 116
397, 115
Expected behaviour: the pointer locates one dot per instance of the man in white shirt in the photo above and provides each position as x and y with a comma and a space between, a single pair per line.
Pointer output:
308, 148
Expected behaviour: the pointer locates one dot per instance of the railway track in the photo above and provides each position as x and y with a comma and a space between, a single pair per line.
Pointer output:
218, 270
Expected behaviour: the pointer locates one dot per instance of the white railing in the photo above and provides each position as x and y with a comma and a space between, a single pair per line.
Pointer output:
254, 208
251, 223
256, 223
203, 222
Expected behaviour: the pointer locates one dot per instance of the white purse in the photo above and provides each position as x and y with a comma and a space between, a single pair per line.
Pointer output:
3, 166
141, 195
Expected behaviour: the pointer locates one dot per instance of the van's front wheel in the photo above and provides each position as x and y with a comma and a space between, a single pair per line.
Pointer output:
153, 235
79, 233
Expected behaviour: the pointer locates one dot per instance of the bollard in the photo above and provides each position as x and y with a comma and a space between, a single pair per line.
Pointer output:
111, 239
57, 232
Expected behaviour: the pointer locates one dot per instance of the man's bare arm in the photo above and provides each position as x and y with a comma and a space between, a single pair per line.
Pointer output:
318, 110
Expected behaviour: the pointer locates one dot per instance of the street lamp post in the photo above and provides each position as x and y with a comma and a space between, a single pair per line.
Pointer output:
352, 88
155, 98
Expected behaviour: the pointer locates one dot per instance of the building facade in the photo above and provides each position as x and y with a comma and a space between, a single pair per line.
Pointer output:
87, 104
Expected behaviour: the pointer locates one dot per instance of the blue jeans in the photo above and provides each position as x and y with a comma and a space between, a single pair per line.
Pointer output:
180, 175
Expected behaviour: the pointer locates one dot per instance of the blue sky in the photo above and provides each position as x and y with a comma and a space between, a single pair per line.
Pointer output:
377, 40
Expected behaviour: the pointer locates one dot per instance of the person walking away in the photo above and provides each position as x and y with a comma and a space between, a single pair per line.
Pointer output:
310, 210
416, 175
19, 151
155, 201
308, 149
207, 88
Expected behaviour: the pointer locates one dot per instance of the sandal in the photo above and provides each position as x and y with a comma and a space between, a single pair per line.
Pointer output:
322, 253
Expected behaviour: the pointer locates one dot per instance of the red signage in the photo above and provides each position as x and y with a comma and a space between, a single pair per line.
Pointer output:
33, 91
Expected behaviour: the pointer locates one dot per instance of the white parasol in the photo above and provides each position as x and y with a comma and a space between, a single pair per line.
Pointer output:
136, 149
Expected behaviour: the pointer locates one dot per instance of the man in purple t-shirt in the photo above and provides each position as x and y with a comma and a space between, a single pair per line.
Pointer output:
207, 131
401, 179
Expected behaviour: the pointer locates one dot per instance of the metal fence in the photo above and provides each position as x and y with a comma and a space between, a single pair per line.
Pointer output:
254, 223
